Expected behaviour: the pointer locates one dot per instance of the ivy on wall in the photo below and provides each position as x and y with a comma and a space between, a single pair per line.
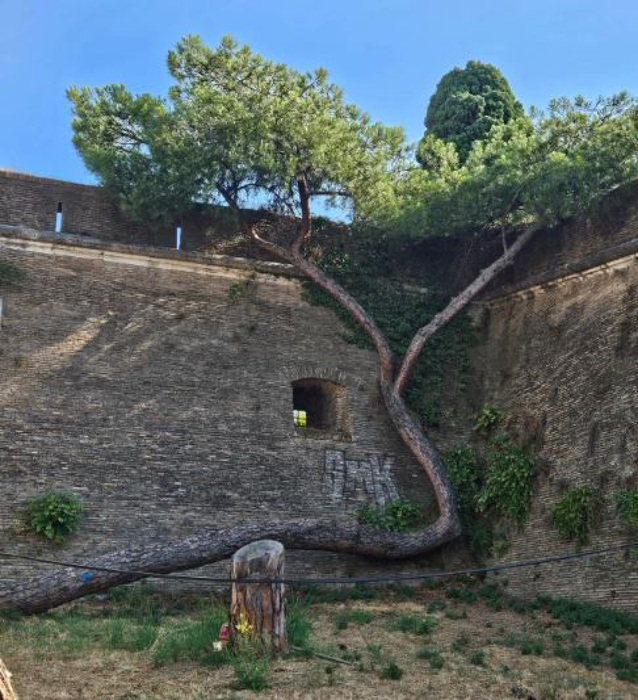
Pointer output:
577, 513
399, 311
627, 506
494, 482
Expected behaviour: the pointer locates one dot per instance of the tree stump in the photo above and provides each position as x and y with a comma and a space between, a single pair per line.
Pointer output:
6, 689
261, 606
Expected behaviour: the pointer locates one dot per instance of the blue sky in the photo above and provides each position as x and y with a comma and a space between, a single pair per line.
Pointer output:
388, 56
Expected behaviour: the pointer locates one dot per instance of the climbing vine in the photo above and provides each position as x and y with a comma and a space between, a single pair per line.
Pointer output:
577, 513
494, 482
627, 506
399, 311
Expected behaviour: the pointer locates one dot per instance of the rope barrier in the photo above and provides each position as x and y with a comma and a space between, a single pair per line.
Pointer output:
396, 578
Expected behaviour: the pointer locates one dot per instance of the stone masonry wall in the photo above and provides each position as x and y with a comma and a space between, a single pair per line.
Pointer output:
27, 200
566, 356
133, 378
32, 202
165, 402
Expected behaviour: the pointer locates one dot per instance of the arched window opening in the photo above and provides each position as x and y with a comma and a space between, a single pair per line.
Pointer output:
319, 404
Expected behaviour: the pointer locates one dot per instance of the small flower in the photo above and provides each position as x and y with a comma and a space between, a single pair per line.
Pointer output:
243, 626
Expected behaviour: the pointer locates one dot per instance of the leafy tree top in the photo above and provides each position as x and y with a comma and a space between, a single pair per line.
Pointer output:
467, 103
235, 128
537, 170
239, 129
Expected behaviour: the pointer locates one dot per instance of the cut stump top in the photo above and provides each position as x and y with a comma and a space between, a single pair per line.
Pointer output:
259, 550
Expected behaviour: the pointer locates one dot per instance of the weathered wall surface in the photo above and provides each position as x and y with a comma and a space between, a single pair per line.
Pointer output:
27, 200
131, 377
32, 202
165, 403
566, 356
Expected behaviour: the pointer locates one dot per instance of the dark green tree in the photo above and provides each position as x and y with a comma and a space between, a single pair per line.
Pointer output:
467, 103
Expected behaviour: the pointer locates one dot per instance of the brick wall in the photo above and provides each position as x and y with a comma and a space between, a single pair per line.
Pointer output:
567, 356
165, 403
131, 377
32, 202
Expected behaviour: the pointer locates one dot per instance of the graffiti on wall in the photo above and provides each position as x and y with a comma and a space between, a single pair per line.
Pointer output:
369, 478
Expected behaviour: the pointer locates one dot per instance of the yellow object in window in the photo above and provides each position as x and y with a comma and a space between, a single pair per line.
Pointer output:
300, 418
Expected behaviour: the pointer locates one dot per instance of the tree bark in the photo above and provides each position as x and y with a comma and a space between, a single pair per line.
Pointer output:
259, 610
128, 565
6, 689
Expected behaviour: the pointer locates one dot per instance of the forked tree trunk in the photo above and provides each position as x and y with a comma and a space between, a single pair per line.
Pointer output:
258, 611
6, 689
126, 566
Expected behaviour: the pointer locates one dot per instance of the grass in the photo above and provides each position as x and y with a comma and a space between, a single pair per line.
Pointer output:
165, 637
251, 672
461, 643
414, 624
433, 656
312, 595
191, 640
477, 657
354, 616
299, 624
391, 672
571, 613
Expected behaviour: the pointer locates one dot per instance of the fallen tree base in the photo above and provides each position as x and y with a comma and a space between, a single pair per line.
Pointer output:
128, 565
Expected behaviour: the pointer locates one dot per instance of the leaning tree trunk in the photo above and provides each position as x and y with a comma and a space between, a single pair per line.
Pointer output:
346, 536
258, 610
136, 563
6, 689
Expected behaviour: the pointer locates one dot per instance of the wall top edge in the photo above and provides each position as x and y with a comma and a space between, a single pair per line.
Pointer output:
8, 174
608, 259
20, 236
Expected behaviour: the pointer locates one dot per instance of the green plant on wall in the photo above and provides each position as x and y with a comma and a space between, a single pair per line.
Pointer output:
396, 516
54, 515
577, 513
466, 467
494, 483
509, 481
627, 506
488, 419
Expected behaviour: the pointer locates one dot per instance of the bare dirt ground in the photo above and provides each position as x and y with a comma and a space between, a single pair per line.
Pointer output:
470, 651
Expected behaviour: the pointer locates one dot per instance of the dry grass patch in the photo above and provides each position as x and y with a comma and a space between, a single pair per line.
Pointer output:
396, 645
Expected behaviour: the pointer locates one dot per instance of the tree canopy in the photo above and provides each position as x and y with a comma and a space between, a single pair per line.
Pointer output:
467, 103
544, 169
238, 129
234, 128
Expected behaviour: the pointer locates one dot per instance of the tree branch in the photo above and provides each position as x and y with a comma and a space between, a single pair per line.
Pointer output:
329, 193
337, 292
305, 226
457, 304
346, 535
